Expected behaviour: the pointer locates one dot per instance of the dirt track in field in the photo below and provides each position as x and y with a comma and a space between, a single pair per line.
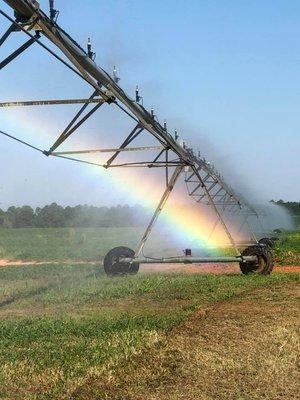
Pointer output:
245, 348
214, 268
208, 268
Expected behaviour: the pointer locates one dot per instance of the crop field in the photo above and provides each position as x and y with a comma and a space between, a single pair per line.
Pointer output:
91, 244
69, 332
87, 244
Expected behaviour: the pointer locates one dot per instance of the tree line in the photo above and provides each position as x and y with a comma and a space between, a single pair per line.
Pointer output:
292, 206
54, 215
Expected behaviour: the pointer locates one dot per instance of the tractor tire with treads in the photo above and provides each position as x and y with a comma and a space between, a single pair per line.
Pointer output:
264, 263
112, 265
267, 241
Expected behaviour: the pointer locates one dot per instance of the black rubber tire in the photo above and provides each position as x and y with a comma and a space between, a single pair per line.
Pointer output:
134, 268
264, 263
267, 241
113, 267
274, 239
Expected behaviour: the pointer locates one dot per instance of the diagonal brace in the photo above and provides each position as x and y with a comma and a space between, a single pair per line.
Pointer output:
218, 213
132, 135
19, 51
10, 30
71, 128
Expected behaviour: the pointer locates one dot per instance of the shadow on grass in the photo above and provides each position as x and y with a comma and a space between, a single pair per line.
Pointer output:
27, 295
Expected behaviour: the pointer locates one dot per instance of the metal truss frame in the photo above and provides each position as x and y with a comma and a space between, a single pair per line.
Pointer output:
204, 183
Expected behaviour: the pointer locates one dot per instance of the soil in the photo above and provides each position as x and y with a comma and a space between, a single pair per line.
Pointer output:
245, 349
215, 268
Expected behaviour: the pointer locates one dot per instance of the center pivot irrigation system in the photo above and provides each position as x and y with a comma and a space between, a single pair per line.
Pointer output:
203, 182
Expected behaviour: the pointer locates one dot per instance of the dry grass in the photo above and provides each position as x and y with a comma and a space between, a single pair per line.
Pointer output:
242, 349
69, 332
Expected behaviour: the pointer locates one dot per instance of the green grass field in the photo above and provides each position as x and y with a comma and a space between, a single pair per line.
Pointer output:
64, 325
84, 244
287, 249
91, 244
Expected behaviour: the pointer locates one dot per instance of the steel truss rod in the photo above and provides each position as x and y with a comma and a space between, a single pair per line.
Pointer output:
21, 141
142, 164
147, 164
217, 193
167, 169
189, 178
221, 203
208, 169
143, 148
159, 155
124, 165
209, 189
192, 193
48, 102
132, 135
10, 30
213, 205
71, 128
16, 53
159, 208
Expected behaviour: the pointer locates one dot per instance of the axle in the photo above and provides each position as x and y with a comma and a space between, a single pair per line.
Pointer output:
189, 260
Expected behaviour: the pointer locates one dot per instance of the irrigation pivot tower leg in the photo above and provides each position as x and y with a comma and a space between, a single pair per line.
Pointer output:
122, 260
160, 206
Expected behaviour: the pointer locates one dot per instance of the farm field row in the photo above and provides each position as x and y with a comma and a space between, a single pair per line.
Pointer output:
91, 244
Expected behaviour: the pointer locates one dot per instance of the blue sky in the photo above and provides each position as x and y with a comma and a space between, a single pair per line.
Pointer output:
224, 73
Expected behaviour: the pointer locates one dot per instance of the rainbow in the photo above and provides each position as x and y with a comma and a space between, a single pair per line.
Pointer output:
187, 224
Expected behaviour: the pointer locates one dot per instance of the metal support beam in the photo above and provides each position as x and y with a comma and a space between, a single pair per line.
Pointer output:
147, 164
124, 165
159, 208
132, 135
190, 177
217, 193
167, 169
48, 102
16, 53
11, 29
70, 128
143, 148
159, 155
213, 205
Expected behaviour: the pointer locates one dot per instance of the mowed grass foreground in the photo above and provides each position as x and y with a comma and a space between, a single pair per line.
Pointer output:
91, 244
62, 327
